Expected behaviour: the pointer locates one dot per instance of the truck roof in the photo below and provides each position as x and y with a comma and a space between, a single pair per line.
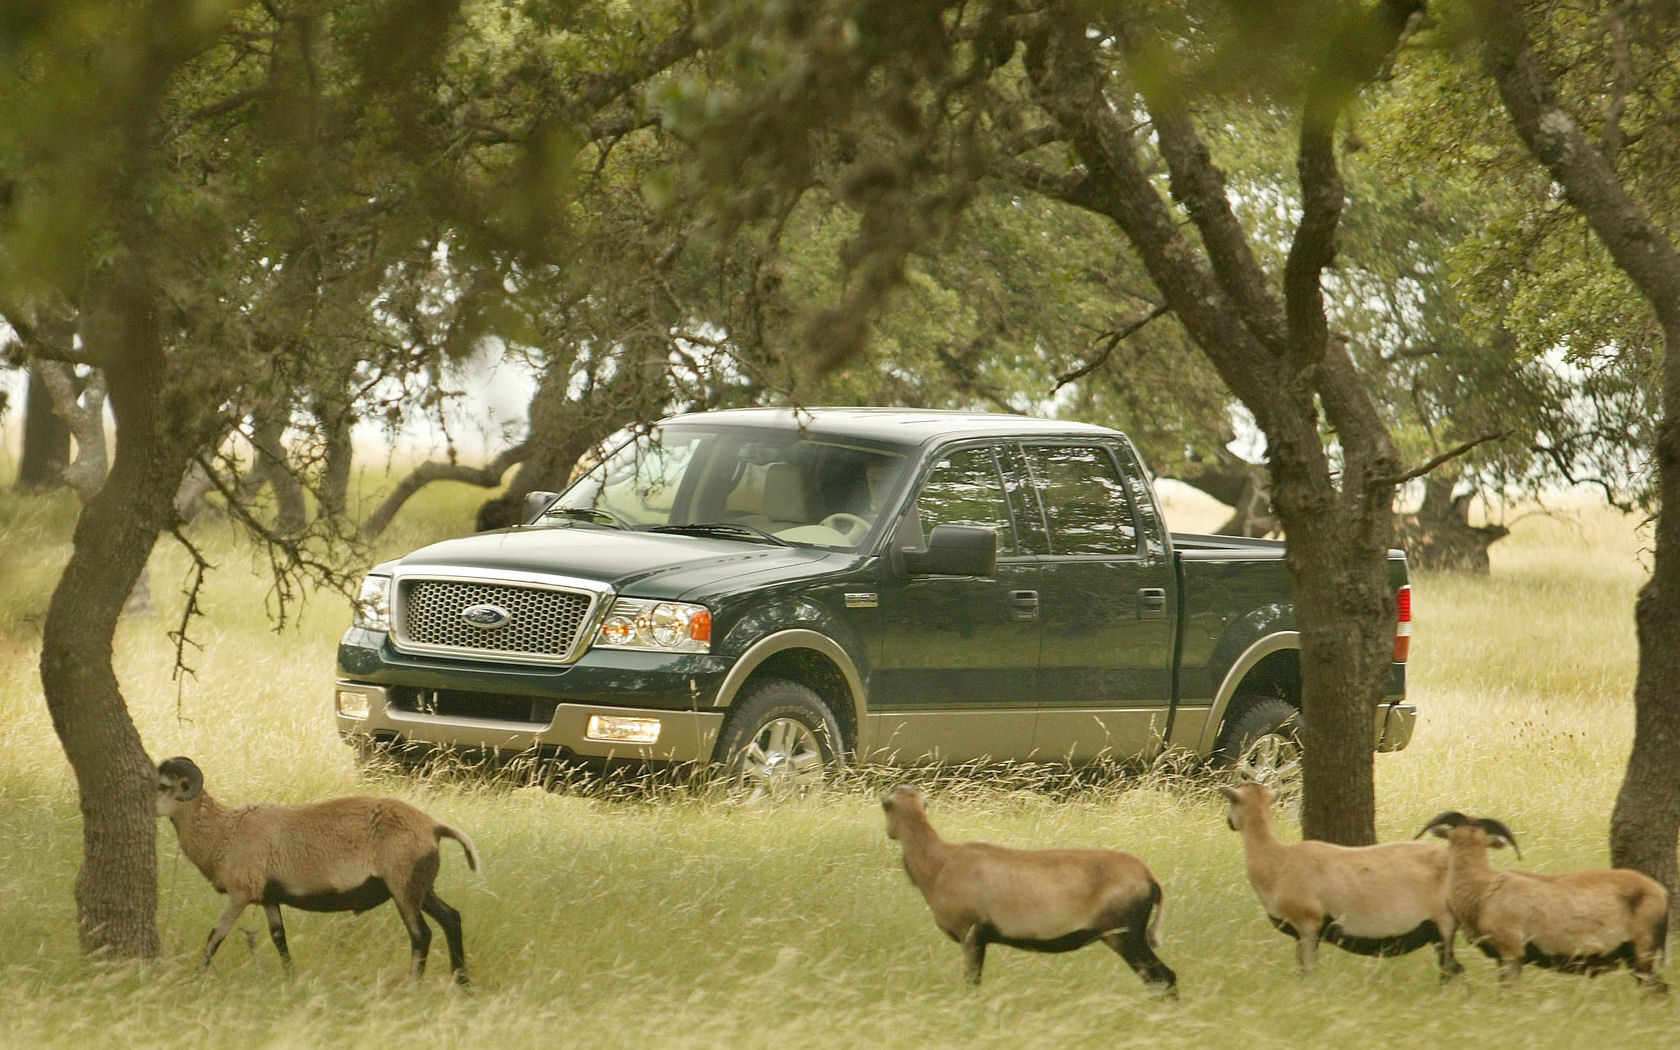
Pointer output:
913, 426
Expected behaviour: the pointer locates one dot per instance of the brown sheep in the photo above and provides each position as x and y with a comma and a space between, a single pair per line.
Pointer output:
1387, 899
347, 854
1037, 900
1586, 922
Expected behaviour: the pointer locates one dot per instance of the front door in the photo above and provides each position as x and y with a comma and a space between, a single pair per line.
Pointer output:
959, 656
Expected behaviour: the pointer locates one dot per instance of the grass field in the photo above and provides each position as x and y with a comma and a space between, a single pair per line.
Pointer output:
668, 920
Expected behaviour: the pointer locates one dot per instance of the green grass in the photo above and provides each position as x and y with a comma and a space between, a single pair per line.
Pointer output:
670, 920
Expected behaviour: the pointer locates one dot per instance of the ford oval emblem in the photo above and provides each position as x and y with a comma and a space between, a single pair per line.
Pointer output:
486, 617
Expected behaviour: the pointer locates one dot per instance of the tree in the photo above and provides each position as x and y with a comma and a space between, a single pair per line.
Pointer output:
1087, 105
1646, 822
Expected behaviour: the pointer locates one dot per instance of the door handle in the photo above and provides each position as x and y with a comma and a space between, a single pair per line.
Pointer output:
1152, 603
1025, 604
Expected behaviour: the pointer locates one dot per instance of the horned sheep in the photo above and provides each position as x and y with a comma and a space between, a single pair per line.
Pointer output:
1586, 922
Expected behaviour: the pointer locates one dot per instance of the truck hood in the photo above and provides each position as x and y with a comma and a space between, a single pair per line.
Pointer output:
640, 564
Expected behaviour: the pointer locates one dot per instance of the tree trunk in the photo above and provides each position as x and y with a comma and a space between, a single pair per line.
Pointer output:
1344, 607
274, 468
116, 889
337, 421
1440, 537
46, 441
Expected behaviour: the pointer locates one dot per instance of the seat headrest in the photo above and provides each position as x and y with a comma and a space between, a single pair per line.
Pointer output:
784, 493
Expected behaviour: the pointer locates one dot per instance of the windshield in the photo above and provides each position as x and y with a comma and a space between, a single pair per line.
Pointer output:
737, 481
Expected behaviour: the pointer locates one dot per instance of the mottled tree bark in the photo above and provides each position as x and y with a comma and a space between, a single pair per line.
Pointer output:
116, 889
1645, 825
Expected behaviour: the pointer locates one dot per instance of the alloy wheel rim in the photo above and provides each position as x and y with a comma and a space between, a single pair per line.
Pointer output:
1274, 760
783, 759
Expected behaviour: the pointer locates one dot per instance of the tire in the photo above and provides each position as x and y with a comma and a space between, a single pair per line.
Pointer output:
779, 741
1261, 741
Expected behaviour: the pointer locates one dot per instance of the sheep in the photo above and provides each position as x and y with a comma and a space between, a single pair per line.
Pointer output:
1388, 899
346, 854
1586, 922
1038, 900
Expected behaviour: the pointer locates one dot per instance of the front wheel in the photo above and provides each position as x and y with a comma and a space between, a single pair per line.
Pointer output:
779, 741
1261, 741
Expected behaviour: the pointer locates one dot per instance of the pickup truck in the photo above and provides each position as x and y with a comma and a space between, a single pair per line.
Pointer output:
780, 592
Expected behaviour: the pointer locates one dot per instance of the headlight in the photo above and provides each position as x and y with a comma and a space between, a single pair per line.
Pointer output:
373, 605
673, 627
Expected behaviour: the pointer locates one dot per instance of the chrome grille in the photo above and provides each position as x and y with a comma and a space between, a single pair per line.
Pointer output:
545, 623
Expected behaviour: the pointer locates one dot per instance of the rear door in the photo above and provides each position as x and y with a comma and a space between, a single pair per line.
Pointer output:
1105, 663
956, 680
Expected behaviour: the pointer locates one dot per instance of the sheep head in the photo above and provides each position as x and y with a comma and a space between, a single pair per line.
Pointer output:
1477, 831
901, 800
1245, 798
179, 782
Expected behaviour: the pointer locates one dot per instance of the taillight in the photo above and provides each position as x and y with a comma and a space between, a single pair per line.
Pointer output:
1403, 624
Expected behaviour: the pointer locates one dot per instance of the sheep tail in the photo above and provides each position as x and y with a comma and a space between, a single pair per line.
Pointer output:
1157, 904
444, 831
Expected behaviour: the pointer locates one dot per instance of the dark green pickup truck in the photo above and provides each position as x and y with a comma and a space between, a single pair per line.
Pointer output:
782, 591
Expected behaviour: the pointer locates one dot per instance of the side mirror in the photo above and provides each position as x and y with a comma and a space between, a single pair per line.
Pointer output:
954, 550
536, 503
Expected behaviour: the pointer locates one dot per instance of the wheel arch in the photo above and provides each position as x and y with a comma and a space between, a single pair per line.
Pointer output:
1270, 665
811, 659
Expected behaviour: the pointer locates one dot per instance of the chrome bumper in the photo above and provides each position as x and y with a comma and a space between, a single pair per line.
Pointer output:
1394, 726
684, 736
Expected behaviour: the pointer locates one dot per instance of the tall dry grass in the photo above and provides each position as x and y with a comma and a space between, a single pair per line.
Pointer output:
666, 919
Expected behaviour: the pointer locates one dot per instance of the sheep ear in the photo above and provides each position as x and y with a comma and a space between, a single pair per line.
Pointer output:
1442, 823
1500, 836
1229, 792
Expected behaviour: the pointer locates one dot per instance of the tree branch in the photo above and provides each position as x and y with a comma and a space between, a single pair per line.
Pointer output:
487, 476
1110, 342
1435, 461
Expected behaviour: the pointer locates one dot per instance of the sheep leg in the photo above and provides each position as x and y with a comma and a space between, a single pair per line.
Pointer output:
974, 953
1645, 971
1132, 945
419, 935
277, 931
1444, 958
450, 920
219, 932
1306, 947
1510, 969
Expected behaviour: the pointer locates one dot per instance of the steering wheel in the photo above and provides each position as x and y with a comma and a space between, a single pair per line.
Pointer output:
846, 524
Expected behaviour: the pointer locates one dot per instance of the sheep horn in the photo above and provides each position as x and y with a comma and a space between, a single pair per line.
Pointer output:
1452, 818
1499, 834
184, 769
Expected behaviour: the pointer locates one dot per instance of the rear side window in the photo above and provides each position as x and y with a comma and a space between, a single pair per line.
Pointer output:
964, 488
1084, 498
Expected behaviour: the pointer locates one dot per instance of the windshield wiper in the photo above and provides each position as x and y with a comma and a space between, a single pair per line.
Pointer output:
594, 515
723, 528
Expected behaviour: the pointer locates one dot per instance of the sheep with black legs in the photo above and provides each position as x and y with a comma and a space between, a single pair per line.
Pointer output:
1386, 899
1038, 900
1587, 922
347, 854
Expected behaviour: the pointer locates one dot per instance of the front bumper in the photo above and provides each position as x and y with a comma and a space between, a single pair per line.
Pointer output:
512, 708
684, 736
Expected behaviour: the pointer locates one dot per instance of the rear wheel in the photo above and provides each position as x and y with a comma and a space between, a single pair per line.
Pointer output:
1261, 741
779, 741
